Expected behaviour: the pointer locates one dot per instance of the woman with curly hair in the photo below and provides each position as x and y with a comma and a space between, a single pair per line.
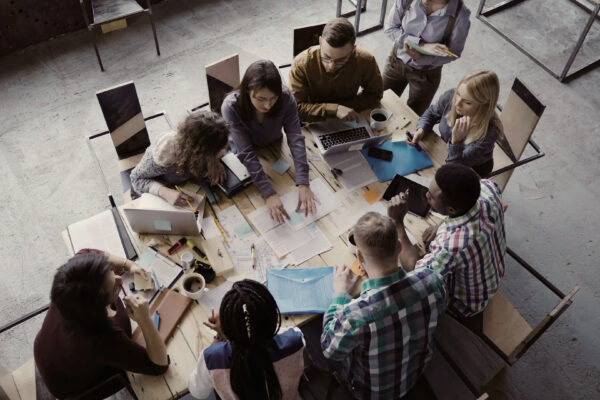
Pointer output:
193, 152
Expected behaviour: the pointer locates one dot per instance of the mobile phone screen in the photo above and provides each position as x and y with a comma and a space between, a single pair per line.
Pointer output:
382, 154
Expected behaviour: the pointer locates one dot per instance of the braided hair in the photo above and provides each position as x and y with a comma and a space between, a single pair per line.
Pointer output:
250, 319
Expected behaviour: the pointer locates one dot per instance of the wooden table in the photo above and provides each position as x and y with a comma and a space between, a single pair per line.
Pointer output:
191, 336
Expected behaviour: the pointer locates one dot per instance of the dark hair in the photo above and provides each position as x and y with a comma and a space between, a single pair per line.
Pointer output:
378, 233
78, 292
200, 137
259, 75
250, 319
338, 32
460, 186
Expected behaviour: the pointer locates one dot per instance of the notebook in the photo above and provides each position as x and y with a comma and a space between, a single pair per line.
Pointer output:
417, 194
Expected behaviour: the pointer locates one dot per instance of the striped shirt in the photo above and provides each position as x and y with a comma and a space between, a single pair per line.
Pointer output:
383, 338
468, 251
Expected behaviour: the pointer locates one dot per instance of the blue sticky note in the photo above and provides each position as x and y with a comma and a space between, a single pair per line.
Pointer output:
162, 225
406, 160
243, 230
296, 218
281, 167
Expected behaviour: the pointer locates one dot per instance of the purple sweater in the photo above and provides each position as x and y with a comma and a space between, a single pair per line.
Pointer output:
247, 135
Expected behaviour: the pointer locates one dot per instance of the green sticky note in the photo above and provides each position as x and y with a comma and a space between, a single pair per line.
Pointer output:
243, 230
162, 225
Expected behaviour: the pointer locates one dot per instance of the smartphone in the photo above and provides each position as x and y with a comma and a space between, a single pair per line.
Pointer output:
382, 154
410, 137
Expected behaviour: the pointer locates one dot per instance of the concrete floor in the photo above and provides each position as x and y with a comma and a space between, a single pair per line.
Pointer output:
48, 107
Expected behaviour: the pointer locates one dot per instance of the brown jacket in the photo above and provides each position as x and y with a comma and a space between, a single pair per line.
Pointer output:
318, 93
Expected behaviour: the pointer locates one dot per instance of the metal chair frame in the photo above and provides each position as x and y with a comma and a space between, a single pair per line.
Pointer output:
91, 26
360, 6
563, 76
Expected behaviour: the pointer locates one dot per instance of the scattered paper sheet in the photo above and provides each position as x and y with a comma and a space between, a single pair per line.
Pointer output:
317, 244
356, 171
211, 300
284, 239
209, 229
97, 232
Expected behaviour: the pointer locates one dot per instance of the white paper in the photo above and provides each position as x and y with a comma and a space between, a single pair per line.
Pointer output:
356, 171
211, 300
327, 199
262, 220
98, 232
209, 229
317, 244
283, 239
341, 219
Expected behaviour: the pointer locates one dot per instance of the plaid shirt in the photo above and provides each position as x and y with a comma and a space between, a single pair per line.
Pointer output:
468, 251
383, 338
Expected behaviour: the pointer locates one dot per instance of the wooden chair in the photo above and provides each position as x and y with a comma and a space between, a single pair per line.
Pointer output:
519, 117
105, 11
305, 37
221, 78
505, 332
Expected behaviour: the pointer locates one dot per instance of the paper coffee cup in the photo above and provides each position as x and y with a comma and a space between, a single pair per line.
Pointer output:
379, 118
193, 286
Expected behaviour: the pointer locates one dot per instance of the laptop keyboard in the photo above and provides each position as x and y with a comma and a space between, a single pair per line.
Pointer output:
340, 137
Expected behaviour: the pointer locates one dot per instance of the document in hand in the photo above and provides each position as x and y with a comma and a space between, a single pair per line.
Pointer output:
301, 290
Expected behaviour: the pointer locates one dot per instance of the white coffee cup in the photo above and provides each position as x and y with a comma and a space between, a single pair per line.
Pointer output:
379, 118
351, 242
193, 286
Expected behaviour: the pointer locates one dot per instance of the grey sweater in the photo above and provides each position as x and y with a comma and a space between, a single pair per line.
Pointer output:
472, 154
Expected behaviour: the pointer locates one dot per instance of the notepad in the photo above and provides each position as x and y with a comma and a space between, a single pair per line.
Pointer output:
281, 167
301, 290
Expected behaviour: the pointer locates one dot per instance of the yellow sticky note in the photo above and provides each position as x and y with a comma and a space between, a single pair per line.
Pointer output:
372, 196
356, 269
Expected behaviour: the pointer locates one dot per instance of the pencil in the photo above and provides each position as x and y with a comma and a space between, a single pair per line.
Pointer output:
213, 316
451, 53
220, 227
186, 200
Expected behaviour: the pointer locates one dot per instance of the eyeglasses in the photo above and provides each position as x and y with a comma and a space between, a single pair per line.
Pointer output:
335, 61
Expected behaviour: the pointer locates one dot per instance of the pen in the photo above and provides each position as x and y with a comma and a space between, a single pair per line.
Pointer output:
123, 290
214, 320
156, 280
449, 52
253, 254
336, 172
186, 200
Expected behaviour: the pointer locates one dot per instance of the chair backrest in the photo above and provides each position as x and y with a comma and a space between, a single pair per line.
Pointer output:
519, 117
123, 115
221, 78
306, 36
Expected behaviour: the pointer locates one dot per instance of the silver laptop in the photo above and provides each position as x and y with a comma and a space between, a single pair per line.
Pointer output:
166, 222
335, 136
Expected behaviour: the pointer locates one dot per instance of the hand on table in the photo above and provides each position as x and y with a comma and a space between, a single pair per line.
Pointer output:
215, 171
412, 53
276, 209
398, 207
307, 200
343, 279
346, 113
436, 48
137, 308
137, 269
460, 130
417, 136
174, 197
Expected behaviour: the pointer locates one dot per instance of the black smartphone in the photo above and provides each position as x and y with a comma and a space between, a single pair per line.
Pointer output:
410, 137
382, 154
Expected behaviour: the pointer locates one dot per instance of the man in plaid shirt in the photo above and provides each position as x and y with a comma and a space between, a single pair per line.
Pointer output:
469, 246
382, 339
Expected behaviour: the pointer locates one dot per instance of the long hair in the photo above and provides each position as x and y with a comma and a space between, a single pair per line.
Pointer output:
199, 138
261, 74
484, 87
78, 292
250, 319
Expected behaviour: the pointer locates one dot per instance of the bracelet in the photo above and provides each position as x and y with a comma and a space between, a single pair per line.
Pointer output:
218, 338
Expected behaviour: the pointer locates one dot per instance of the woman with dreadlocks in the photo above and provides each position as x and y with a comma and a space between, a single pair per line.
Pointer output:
248, 359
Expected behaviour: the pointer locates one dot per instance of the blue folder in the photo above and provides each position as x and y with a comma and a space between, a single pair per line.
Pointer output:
406, 160
301, 290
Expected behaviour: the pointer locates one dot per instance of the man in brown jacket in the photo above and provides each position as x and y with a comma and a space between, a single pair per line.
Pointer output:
326, 79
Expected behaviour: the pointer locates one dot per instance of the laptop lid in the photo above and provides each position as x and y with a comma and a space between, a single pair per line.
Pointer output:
166, 222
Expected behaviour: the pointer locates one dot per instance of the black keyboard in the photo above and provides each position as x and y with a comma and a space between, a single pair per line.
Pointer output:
340, 137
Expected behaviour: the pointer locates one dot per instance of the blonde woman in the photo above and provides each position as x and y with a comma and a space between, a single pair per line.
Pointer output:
467, 121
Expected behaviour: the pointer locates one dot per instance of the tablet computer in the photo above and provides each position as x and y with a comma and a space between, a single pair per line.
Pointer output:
417, 199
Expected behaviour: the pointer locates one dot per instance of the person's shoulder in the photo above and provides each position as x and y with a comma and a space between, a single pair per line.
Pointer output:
427, 278
218, 355
364, 56
230, 103
447, 96
290, 341
490, 191
163, 152
306, 57
464, 12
